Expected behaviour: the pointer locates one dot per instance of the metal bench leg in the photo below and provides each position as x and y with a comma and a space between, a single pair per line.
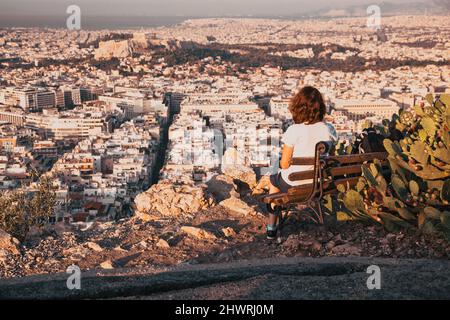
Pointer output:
281, 221
316, 207
319, 206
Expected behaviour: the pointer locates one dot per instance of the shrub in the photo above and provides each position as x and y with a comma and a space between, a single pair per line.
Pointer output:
19, 211
415, 191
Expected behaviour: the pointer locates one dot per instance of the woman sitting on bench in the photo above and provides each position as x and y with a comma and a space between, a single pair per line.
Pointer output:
309, 128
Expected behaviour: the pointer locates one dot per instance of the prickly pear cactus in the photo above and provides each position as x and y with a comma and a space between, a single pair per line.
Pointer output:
416, 189
344, 147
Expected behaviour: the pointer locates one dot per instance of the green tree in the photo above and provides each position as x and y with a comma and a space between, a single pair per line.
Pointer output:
20, 210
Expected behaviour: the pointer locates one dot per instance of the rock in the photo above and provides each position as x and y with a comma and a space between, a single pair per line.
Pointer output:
60, 228
124, 261
112, 48
94, 246
347, 249
35, 233
222, 187
3, 255
262, 186
337, 239
316, 245
120, 249
144, 216
107, 265
226, 256
162, 244
8, 243
79, 251
168, 199
237, 205
198, 233
229, 232
143, 204
241, 173
330, 245
143, 244
292, 242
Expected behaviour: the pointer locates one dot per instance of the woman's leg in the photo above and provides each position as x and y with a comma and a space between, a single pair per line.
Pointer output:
272, 217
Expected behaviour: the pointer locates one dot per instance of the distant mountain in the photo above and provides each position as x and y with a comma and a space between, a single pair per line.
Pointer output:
389, 9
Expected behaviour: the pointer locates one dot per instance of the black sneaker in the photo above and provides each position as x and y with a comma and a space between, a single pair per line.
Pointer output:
271, 234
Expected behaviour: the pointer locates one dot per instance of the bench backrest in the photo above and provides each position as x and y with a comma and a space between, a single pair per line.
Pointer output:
337, 165
329, 171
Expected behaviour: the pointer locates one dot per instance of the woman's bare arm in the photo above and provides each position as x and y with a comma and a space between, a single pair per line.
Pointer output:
286, 157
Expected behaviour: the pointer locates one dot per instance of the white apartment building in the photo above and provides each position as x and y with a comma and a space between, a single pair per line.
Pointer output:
360, 109
39, 98
67, 126
279, 108
231, 97
225, 108
11, 115
29, 99
133, 102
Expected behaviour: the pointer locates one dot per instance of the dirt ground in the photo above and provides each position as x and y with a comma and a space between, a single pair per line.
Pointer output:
161, 242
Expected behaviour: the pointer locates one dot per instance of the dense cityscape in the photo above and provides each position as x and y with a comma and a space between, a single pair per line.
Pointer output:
152, 149
107, 113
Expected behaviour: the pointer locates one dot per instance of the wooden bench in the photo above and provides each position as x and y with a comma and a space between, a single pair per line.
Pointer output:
329, 172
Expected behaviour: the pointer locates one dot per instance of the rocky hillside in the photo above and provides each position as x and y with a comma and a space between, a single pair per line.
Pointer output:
213, 223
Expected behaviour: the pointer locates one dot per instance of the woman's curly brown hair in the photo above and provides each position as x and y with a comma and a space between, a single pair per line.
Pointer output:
307, 106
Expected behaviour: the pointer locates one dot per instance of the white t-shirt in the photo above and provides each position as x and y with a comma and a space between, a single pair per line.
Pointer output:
304, 139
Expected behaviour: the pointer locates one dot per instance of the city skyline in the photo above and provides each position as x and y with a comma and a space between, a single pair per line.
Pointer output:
158, 13
184, 8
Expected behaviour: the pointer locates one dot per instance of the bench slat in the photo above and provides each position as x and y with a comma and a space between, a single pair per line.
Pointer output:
340, 171
344, 159
351, 181
302, 189
300, 193
273, 197
349, 169
358, 158
334, 172
303, 175
294, 198
327, 185
303, 161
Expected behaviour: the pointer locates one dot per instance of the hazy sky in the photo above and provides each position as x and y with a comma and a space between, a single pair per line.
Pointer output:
178, 7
